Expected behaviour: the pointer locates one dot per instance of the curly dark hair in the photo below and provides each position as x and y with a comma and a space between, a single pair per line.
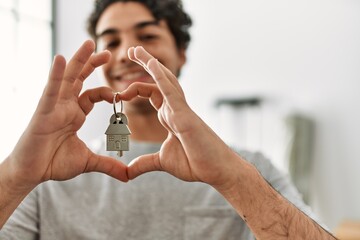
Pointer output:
171, 11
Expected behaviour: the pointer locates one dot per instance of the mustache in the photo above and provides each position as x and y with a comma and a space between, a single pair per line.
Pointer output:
125, 67
119, 71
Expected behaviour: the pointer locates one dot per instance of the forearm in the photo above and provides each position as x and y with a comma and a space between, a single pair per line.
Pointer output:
10, 196
266, 212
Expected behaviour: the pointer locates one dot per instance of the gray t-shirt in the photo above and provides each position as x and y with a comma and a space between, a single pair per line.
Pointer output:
155, 205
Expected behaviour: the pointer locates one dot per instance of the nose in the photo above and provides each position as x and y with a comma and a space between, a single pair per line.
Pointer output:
121, 55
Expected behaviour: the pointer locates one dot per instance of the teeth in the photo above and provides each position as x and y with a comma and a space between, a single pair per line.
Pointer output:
131, 76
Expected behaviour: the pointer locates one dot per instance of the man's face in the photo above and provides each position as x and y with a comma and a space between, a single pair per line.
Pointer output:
123, 25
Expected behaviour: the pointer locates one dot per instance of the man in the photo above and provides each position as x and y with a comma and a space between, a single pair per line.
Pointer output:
167, 136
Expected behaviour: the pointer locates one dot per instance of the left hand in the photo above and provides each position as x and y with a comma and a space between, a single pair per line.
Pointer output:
192, 151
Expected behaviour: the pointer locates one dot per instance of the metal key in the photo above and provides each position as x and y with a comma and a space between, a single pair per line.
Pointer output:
117, 134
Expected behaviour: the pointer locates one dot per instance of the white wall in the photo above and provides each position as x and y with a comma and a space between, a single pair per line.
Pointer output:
25, 46
302, 55
71, 32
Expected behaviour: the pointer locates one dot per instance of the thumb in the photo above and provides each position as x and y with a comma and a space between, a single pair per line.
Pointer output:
107, 165
143, 164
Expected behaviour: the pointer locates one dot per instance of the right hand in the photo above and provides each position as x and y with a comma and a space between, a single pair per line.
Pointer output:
50, 149
192, 151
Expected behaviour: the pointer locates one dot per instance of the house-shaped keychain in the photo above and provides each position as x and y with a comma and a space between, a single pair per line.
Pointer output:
117, 134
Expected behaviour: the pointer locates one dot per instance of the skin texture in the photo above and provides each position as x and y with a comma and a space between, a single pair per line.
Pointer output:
50, 149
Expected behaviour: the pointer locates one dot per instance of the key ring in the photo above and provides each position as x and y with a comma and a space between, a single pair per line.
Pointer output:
114, 104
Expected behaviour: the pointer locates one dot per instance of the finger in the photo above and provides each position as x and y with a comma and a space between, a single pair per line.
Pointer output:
78, 61
92, 96
107, 165
146, 60
171, 92
142, 62
74, 68
143, 164
142, 56
95, 61
168, 90
172, 78
144, 90
132, 57
51, 91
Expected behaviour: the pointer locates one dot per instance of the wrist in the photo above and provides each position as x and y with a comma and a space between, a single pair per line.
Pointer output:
10, 191
10, 182
237, 172
246, 187
255, 200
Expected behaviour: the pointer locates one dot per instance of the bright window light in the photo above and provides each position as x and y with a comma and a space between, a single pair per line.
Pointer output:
25, 59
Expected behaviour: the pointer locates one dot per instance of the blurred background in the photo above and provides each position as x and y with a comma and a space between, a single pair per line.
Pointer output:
280, 77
